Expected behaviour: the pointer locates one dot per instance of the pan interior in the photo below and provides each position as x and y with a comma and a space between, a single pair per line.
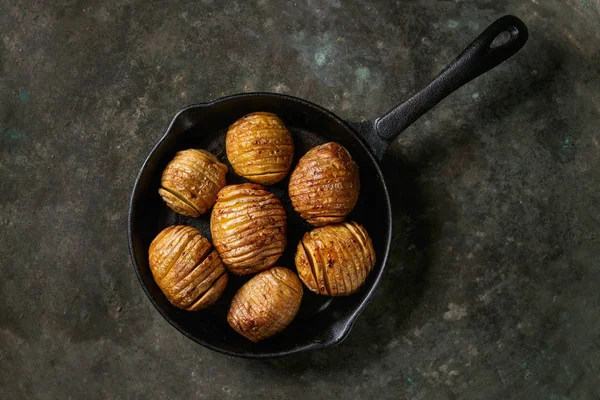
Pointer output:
321, 320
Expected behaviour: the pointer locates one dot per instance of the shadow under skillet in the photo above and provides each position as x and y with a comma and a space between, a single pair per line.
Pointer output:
402, 284
420, 210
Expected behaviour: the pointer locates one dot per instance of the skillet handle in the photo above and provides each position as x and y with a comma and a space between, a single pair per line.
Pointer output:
481, 56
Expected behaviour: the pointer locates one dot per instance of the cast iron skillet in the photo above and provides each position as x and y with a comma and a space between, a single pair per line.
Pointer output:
322, 321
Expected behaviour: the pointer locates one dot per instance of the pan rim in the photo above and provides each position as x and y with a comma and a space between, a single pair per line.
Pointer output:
351, 318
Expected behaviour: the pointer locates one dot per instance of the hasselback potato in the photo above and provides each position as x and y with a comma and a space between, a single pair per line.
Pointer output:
325, 184
248, 226
260, 148
191, 181
266, 304
186, 268
335, 260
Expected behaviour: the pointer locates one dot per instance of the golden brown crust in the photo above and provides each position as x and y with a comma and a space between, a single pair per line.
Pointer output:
186, 268
212, 295
266, 304
335, 260
178, 204
260, 148
248, 226
325, 184
191, 181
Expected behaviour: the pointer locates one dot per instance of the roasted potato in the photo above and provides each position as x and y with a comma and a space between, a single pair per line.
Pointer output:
266, 304
335, 260
325, 184
260, 148
186, 268
248, 226
191, 181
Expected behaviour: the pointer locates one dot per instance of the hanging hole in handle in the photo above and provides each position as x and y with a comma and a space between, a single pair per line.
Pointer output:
501, 39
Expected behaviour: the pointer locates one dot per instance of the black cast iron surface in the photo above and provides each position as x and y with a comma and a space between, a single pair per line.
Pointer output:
322, 321
495, 195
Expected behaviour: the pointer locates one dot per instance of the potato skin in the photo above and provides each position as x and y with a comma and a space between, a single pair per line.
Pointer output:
186, 268
248, 226
335, 260
191, 181
260, 148
325, 184
266, 304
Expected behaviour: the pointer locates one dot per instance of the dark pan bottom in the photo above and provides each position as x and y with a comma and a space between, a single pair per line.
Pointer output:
321, 320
